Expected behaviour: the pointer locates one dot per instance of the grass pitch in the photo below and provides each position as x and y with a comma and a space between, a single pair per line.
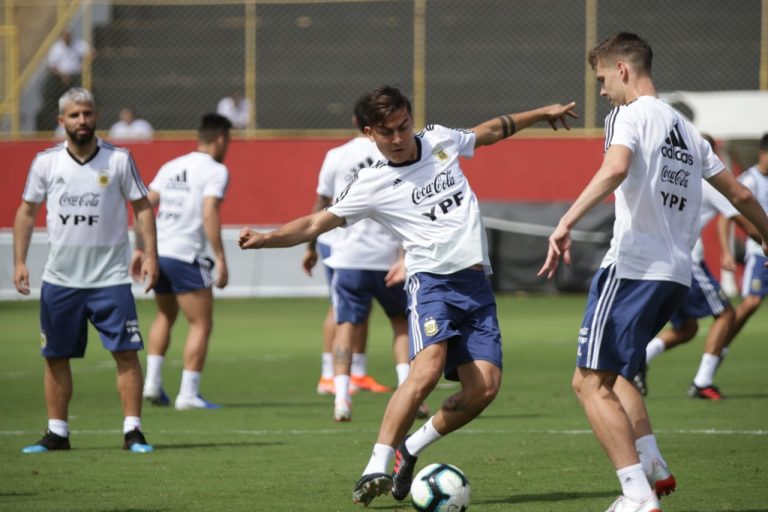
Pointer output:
275, 447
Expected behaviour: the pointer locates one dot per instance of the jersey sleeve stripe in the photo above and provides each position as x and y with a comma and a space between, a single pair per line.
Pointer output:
136, 176
609, 125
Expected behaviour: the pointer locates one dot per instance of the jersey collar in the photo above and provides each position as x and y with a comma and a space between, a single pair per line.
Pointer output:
410, 162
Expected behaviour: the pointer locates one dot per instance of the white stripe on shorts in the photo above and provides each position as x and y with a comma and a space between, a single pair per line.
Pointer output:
205, 272
602, 312
709, 291
416, 340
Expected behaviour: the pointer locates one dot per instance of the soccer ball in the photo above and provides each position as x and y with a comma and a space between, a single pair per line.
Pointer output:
440, 488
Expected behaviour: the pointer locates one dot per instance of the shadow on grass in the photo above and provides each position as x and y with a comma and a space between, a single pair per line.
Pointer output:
187, 446
264, 405
552, 496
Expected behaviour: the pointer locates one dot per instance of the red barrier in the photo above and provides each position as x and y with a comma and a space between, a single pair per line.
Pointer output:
272, 181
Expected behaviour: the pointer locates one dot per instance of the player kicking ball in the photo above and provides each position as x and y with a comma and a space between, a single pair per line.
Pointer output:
421, 194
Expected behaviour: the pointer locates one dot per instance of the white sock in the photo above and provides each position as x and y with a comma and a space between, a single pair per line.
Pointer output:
381, 459
402, 371
341, 383
634, 484
59, 427
706, 373
131, 423
359, 363
327, 365
419, 440
190, 384
654, 348
154, 378
648, 450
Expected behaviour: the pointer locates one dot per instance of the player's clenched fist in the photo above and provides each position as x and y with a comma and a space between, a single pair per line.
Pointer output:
250, 239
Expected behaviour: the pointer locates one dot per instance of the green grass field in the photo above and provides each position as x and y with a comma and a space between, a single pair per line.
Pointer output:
275, 447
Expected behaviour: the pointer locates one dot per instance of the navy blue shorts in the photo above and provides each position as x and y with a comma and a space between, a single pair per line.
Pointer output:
705, 298
178, 276
755, 276
353, 291
459, 309
621, 316
65, 312
325, 253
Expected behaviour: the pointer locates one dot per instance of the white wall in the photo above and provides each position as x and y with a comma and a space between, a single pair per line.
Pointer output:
262, 273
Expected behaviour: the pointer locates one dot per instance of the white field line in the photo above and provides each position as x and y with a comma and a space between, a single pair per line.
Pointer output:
345, 431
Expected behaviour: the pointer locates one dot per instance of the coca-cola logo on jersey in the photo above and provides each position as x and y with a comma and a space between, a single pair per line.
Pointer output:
442, 181
676, 177
87, 199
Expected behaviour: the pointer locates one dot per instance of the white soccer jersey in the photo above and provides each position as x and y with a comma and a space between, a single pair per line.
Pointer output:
182, 184
712, 203
427, 203
658, 204
339, 169
757, 182
87, 216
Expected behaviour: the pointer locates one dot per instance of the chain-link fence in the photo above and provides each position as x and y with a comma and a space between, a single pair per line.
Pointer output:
302, 63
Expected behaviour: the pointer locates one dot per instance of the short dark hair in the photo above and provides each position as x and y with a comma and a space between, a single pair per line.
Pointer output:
211, 126
627, 46
764, 142
707, 137
382, 102
359, 112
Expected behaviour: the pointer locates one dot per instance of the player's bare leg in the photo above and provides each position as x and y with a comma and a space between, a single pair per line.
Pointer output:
654, 465
197, 306
325, 384
129, 381
346, 333
58, 387
613, 428
744, 310
159, 341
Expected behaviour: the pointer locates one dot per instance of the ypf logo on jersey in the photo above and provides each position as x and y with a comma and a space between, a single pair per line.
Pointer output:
430, 326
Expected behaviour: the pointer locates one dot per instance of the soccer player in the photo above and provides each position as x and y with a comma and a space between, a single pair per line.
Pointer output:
654, 161
705, 298
85, 183
754, 286
189, 191
338, 169
421, 194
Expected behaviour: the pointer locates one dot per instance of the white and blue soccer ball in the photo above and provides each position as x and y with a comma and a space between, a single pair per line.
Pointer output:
440, 488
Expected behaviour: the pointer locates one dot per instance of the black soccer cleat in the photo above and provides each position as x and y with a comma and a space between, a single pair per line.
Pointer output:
136, 442
370, 486
402, 477
49, 442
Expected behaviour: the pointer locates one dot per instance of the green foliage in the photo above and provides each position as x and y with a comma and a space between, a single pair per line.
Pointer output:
274, 445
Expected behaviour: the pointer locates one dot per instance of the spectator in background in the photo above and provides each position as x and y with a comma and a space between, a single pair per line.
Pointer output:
65, 67
130, 128
237, 109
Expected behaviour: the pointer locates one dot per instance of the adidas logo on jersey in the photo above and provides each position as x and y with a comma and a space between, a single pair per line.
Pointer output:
178, 182
397, 183
676, 148
60, 181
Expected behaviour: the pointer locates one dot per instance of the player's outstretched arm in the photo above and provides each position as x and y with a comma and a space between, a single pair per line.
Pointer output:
293, 233
501, 127
23, 226
744, 201
612, 172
